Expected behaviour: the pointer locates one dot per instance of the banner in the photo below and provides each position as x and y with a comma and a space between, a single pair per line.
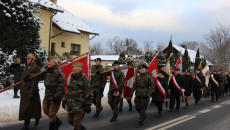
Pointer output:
68, 69
179, 64
129, 73
153, 70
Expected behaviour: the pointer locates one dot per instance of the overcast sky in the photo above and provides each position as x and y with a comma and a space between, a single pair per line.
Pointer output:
152, 20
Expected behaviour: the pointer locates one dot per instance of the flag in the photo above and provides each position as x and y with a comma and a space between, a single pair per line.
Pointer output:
179, 64
68, 69
129, 73
200, 65
168, 69
205, 71
153, 70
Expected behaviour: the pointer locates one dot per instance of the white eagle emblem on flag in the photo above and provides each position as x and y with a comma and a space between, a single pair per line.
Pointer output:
154, 73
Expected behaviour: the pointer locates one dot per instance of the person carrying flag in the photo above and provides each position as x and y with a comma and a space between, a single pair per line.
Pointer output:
117, 81
161, 92
198, 82
143, 88
175, 85
97, 84
214, 82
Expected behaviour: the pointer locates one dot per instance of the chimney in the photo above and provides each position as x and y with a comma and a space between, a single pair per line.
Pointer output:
54, 1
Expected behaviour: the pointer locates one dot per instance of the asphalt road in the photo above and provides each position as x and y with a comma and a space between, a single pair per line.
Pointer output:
205, 116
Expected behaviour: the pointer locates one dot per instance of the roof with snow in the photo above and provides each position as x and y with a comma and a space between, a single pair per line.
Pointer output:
47, 4
191, 53
108, 57
68, 22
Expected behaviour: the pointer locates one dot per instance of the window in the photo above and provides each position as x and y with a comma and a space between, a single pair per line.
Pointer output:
63, 44
75, 49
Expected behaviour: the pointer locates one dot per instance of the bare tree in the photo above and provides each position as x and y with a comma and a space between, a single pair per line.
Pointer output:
131, 47
115, 45
218, 41
148, 46
96, 48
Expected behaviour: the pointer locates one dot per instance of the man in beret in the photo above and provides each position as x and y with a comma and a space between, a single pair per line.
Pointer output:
97, 84
54, 80
176, 90
117, 81
143, 88
214, 82
198, 83
30, 104
78, 97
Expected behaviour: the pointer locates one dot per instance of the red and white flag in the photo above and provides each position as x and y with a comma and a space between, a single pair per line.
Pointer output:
153, 69
129, 78
68, 68
179, 64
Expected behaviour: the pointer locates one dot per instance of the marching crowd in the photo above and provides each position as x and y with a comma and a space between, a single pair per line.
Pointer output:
83, 92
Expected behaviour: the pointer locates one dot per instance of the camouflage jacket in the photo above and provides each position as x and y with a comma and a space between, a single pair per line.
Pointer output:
54, 80
97, 82
120, 79
78, 94
143, 85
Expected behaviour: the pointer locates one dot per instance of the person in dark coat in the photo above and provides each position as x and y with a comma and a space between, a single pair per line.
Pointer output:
175, 91
214, 82
16, 69
188, 86
160, 95
166, 76
30, 104
198, 82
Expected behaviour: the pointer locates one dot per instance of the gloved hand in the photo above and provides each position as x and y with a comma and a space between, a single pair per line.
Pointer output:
26, 78
56, 100
63, 104
113, 91
98, 72
88, 109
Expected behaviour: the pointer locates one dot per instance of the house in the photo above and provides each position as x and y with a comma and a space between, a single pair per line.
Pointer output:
177, 50
63, 35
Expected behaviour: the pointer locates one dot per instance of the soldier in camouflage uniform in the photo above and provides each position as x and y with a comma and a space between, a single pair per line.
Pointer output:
116, 85
97, 84
54, 80
78, 97
144, 87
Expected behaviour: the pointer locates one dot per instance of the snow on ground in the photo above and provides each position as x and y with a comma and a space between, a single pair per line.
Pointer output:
9, 106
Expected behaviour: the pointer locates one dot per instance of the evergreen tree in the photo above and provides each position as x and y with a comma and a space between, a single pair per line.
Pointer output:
203, 62
161, 61
130, 60
122, 58
173, 58
197, 60
149, 56
185, 61
19, 27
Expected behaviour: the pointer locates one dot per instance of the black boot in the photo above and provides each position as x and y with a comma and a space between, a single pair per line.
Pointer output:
26, 125
113, 119
36, 121
95, 115
139, 124
52, 126
58, 123
186, 106
159, 114
83, 127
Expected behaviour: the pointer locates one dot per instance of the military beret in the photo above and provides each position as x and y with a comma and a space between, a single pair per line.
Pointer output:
214, 70
78, 64
51, 58
162, 72
31, 56
116, 62
177, 69
98, 59
143, 66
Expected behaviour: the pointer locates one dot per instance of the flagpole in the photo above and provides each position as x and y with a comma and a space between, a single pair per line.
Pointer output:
42, 72
155, 56
122, 68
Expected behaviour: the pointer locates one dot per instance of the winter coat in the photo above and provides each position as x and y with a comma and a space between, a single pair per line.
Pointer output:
212, 83
173, 88
196, 84
17, 71
157, 95
30, 104
188, 84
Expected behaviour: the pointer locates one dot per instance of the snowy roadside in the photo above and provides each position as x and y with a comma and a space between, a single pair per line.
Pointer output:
9, 107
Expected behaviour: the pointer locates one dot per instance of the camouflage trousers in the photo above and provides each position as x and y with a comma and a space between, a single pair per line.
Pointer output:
113, 103
141, 104
75, 119
50, 109
97, 100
